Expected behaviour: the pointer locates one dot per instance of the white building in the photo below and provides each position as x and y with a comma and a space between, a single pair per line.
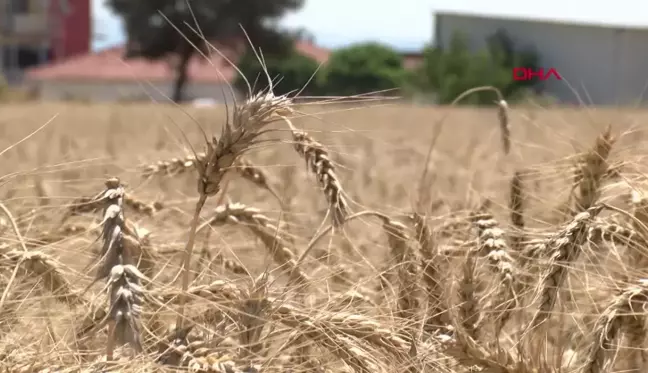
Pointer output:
599, 64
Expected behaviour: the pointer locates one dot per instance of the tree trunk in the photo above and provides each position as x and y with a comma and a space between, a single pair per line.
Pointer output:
185, 54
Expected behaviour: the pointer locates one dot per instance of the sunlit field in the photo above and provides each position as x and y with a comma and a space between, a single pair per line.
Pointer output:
325, 247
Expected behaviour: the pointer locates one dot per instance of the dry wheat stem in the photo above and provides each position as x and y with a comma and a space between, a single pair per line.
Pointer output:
410, 289
231, 265
397, 229
516, 205
48, 270
262, 227
637, 257
319, 328
86, 205
470, 353
50, 237
502, 112
431, 273
252, 317
469, 313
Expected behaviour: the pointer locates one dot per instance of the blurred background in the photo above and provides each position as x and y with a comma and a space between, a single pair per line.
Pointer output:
420, 50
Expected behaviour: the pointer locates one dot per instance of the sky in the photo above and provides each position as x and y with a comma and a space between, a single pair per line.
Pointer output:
408, 24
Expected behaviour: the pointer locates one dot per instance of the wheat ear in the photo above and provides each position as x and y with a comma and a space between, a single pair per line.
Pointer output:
493, 246
48, 270
319, 163
563, 250
624, 315
250, 172
117, 254
237, 136
262, 227
593, 170
505, 129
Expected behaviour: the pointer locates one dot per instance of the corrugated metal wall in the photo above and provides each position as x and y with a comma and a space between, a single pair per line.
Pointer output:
599, 65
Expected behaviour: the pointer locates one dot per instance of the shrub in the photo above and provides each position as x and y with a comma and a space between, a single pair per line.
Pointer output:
362, 68
449, 72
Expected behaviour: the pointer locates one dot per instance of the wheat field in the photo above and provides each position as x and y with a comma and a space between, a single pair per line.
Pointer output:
322, 245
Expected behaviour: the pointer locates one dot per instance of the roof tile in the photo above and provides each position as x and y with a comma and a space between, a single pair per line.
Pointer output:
110, 65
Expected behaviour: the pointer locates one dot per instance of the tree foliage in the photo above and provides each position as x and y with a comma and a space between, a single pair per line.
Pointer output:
362, 68
159, 29
447, 72
290, 74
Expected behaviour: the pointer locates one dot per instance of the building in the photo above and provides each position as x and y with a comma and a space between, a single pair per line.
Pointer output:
107, 76
33, 32
600, 64
412, 60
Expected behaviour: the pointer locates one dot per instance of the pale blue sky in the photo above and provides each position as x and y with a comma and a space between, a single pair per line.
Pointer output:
407, 24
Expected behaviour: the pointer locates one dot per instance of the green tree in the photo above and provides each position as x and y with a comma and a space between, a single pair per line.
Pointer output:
289, 74
503, 51
362, 68
450, 71
158, 29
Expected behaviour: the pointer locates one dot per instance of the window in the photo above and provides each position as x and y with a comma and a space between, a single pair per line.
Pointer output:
20, 6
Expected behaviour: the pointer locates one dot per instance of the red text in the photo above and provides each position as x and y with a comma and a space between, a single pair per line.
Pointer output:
527, 73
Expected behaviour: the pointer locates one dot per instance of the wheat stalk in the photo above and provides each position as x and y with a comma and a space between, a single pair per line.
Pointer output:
516, 205
469, 313
237, 137
431, 273
48, 270
637, 257
87, 205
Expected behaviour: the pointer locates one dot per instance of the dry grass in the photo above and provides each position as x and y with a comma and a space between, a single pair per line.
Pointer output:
309, 254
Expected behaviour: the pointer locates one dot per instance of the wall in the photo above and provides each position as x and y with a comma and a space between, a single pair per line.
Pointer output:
599, 65
71, 28
114, 91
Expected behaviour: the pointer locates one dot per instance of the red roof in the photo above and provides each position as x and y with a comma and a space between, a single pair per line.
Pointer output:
109, 65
